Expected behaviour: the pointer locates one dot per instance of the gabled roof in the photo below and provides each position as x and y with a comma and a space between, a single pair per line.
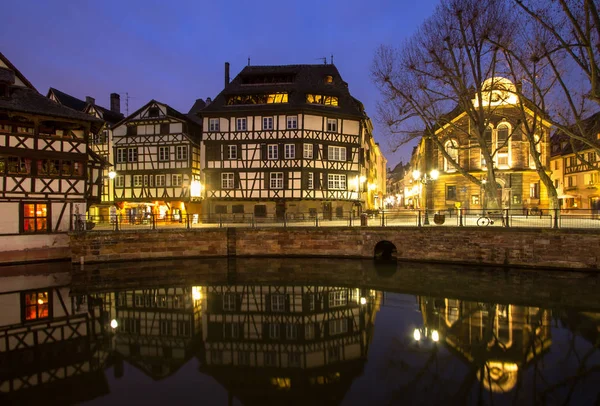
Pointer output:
73, 102
297, 81
193, 113
109, 116
590, 128
170, 112
17, 73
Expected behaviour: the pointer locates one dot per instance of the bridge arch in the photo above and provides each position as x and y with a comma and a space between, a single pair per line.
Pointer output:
385, 250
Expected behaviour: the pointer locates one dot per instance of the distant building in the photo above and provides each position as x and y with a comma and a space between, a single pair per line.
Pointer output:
49, 174
288, 140
576, 167
100, 143
157, 164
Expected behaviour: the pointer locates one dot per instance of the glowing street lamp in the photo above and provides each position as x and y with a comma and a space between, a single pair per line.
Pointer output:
112, 174
425, 179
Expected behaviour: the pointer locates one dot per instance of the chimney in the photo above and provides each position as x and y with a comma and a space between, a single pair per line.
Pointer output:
208, 101
90, 100
115, 103
226, 73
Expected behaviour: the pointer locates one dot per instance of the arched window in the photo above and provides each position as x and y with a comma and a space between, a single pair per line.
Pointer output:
487, 137
451, 147
503, 146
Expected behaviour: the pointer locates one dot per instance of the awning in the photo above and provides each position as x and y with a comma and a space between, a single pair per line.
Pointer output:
567, 197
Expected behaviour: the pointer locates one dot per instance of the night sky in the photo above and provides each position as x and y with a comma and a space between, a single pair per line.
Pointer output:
174, 51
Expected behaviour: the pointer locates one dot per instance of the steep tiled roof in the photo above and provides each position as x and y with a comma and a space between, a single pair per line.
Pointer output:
304, 79
590, 128
73, 102
193, 113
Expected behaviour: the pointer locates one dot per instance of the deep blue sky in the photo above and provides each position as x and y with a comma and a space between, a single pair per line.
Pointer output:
174, 51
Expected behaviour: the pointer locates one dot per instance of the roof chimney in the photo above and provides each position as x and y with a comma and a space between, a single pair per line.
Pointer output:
226, 73
208, 101
90, 100
115, 103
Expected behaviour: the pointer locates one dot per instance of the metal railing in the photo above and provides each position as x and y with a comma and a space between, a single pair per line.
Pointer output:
573, 218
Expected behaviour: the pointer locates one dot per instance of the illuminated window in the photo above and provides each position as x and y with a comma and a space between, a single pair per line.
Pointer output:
338, 298
452, 150
322, 99
329, 79
276, 180
213, 124
35, 218
267, 123
308, 151
137, 180
292, 122
502, 144
36, 305
272, 98
227, 181
336, 181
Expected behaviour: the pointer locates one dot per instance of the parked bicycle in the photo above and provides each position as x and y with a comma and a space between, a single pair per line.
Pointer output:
487, 219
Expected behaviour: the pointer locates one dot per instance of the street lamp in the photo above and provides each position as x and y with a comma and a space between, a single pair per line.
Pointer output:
425, 179
112, 174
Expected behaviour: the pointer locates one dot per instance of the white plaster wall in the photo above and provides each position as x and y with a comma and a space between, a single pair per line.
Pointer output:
33, 241
176, 128
351, 127
9, 218
120, 131
313, 122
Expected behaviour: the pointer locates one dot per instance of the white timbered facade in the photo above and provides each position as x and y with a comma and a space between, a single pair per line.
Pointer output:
49, 174
285, 139
157, 163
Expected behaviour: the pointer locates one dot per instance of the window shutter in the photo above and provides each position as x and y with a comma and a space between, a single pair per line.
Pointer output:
325, 152
324, 183
304, 180
267, 180
281, 151
348, 153
238, 182
286, 177
263, 152
361, 156
164, 128
239, 152
299, 151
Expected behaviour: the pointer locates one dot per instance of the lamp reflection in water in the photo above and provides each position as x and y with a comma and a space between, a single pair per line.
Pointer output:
424, 334
426, 179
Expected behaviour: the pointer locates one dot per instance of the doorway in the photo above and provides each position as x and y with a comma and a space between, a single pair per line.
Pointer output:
326, 210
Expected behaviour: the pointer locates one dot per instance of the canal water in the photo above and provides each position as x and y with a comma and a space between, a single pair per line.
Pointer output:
297, 331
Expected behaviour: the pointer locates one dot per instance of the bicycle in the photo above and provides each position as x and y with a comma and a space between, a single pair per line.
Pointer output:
485, 220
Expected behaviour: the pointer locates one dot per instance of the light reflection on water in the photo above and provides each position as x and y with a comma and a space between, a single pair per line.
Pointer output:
297, 331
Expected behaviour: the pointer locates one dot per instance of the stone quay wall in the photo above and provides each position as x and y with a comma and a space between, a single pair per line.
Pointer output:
518, 247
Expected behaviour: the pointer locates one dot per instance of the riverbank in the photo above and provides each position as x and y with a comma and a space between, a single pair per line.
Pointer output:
508, 247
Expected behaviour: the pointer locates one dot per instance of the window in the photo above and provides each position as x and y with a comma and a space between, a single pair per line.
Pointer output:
294, 359
229, 302
333, 354
267, 123
276, 180
232, 152
451, 147
182, 152
292, 122
176, 180
534, 190
278, 303
166, 328
309, 331
475, 199
556, 183
273, 98
502, 146
556, 164
571, 181
290, 151
153, 112
450, 192
213, 124
338, 298
591, 157
148, 180
221, 209
237, 208
163, 153
274, 331
132, 154
308, 151
331, 125
311, 181
160, 180
227, 181
335, 181
240, 124
121, 155
231, 330
260, 210
35, 218
120, 181
338, 326
216, 356
291, 331
322, 99
183, 328
272, 151
137, 180
270, 358
336, 153
36, 305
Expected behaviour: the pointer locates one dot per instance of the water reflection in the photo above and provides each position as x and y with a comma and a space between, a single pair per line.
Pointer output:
297, 333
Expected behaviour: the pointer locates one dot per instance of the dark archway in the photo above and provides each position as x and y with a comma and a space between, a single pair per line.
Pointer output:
385, 251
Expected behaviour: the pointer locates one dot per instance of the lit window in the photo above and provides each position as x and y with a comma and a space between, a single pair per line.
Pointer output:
36, 305
163, 153
502, 146
232, 152
322, 99
534, 190
240, 124
308, 151
273, 98
276, 180
292, 122
35, 218
338, 298
452, 150
311, 181
451, 192
161, 180
336, 153
267, 123
290, 151
227, 181
213, 124
137, 180
182, 153
331, 125
120, 181
272, 151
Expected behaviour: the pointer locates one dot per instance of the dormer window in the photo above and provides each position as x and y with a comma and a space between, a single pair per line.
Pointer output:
153, 112
329, 79
322, 99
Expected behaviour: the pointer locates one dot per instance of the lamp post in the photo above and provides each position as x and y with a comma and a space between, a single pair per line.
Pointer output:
425, 179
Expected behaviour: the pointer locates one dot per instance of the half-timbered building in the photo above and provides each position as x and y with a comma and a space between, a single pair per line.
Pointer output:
285, 139
157, 163
100, 142
290, 338
48, 171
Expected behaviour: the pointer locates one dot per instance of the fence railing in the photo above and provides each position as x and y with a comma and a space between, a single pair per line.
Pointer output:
572, 218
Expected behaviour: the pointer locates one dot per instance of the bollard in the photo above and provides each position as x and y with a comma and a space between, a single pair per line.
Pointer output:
419, 220
460, 217
555, 223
